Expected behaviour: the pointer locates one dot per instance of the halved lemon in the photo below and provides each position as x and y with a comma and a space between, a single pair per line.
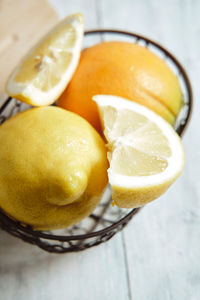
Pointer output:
43, 74
145, 153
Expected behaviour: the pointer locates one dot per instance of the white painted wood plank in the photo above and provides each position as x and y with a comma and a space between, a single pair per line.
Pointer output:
30, 273
163, 241
27, 272
88, 8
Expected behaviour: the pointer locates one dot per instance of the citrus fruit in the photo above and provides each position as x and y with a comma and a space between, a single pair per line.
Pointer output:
145, 153
123, 69
42, 75
53, 168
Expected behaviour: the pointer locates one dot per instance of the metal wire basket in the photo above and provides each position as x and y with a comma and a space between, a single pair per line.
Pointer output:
106, 220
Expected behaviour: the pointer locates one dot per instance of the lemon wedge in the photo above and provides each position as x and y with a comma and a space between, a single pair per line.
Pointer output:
43, 74
145, 153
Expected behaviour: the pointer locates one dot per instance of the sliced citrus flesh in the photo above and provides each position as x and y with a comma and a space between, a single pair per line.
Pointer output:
127, 70
43, 74
145, 153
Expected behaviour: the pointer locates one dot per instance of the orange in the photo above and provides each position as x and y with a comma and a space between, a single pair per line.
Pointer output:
122, 69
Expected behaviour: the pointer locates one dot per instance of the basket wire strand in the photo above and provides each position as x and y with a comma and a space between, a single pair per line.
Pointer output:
106, 220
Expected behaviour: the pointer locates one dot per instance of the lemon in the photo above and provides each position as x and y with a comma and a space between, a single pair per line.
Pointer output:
53, 168
127, 70
145, 153
43, 74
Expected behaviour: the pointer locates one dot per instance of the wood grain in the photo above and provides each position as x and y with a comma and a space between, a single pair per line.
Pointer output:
30, 273
157, 256
98, 273
163, 241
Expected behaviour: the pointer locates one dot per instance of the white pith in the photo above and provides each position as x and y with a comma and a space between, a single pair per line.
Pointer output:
36, 96
175, 161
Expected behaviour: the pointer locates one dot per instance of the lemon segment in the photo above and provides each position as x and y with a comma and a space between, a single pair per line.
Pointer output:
127, 70
131, 162
42, 75
145, 153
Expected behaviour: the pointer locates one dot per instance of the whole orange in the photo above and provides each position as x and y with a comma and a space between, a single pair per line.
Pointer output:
123, 69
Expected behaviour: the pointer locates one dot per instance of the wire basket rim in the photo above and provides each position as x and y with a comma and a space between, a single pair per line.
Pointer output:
168, 53
40, 234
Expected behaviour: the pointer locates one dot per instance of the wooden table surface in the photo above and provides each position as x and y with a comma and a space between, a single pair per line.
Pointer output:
157, 256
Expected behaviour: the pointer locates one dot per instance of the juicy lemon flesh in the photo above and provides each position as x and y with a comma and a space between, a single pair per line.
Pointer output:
140, 147
49, 60
43, 74
146, 155
131, 162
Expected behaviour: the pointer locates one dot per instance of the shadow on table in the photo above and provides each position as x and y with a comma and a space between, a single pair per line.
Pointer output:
15, 253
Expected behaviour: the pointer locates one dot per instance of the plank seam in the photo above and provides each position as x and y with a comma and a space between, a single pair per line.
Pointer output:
126, 267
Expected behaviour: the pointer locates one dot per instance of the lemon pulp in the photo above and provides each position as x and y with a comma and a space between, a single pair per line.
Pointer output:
145, 153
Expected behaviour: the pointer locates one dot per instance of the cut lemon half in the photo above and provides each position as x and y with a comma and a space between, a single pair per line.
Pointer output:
145, 153
43, 74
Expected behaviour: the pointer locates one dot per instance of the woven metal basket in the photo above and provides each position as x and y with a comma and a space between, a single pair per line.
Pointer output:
106, 220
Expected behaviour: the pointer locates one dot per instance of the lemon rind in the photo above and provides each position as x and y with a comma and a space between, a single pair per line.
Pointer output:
175, 161
32, 95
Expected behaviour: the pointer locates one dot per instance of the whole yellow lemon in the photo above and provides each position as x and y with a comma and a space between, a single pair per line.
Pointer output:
53, 168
